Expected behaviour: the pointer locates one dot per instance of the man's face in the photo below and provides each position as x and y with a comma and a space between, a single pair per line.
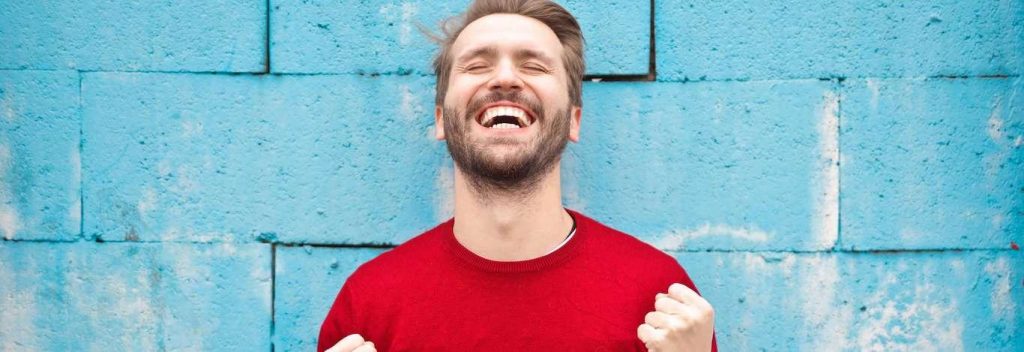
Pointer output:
507, 114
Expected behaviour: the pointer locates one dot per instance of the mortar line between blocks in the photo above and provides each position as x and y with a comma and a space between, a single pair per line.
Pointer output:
273, 293
81, 153
839, 164
652, 66
266, 39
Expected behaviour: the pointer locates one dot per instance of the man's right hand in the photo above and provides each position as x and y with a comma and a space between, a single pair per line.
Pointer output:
353, 343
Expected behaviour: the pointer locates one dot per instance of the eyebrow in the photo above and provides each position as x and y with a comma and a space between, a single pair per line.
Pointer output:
520, 54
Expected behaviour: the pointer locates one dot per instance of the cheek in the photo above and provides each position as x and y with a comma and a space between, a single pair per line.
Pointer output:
461, 90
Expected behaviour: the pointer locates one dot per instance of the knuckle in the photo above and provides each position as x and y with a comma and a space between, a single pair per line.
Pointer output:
708, 313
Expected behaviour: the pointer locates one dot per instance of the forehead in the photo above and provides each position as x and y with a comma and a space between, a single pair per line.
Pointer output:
507, 32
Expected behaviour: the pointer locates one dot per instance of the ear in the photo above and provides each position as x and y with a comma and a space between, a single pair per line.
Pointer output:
574, 123
438, 122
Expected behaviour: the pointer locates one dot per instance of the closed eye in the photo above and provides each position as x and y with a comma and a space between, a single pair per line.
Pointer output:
534, 68
475, 68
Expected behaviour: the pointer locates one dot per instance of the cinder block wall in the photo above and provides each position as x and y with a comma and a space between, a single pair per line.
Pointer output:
198, 175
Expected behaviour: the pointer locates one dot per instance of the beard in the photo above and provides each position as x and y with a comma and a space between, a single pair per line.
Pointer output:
517, 172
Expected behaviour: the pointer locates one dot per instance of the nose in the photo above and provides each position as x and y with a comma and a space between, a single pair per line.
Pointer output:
506, 77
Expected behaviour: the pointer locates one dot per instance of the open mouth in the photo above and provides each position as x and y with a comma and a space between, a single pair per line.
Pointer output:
505, 117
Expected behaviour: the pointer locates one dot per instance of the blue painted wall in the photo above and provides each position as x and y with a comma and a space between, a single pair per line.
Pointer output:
841, 176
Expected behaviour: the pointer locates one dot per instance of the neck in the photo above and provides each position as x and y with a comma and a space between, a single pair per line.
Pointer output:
506, 226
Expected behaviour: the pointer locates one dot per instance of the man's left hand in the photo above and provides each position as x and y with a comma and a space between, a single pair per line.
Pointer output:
681, 321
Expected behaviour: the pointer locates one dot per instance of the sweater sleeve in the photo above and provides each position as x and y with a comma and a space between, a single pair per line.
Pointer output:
339, 321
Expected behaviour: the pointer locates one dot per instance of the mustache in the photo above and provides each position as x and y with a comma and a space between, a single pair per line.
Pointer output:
515, 97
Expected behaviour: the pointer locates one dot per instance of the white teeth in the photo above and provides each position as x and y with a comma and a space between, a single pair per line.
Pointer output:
505, 125
493, 112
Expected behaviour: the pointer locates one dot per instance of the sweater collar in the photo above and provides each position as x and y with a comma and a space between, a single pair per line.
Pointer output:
555, 258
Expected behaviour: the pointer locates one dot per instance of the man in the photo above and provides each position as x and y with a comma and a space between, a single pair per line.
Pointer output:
514, 270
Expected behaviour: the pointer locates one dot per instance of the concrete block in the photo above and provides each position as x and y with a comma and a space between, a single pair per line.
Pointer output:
320, 159
134, 297
384, 36
925, 301
932, 163
769, 40
122, 35
307, 281
40, 174
713, 165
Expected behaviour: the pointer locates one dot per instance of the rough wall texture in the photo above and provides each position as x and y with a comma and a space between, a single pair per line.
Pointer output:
194, 175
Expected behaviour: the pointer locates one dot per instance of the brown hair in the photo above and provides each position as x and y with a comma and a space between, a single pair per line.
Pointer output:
551, 14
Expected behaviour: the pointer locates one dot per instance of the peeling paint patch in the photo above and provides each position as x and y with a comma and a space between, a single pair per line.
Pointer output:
677, 239
826, 187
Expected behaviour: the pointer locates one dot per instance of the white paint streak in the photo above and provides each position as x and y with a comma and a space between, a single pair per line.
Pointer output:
1000, 300
17, 310
995, 122
445, 184
406, 13
826, 188
677, 239
9, 220
874, 88
147, 203
411, 107
190, 128
819, 302
74, 192
911, 235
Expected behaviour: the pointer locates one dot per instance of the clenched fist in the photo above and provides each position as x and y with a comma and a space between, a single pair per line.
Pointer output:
681, 321
353, 343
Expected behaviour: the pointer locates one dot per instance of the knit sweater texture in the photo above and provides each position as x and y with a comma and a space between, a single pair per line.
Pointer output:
433, 294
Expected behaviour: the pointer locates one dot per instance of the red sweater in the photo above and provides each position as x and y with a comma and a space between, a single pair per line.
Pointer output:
432, 294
